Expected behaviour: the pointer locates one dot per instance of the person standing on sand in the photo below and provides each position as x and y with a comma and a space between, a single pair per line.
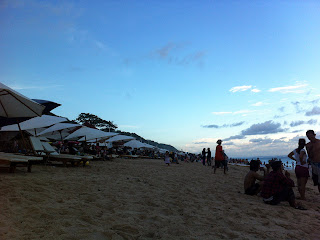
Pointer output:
313, 149
204, 157
167, 158
209, 157
302, 172
277, 187
219, 157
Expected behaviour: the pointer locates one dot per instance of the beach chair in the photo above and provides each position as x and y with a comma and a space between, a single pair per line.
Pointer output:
50, 153
49, 148
12, 161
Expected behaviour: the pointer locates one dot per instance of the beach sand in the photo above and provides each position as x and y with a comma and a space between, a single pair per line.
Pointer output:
145, 199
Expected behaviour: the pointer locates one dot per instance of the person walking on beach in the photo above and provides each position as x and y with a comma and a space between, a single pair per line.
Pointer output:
219, 157
167, 158
204, 157
209, 157
313, 149
302, 172
277, 187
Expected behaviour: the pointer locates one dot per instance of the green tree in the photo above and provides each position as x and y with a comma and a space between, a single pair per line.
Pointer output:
97, 122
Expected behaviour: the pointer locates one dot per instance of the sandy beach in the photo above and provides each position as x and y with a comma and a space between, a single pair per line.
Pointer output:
145, 199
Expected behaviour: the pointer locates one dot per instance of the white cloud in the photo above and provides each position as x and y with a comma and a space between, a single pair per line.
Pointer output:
298, 88
235, 113
240, 88
244, 111
255, 90
100, 45
258, 104
221, 113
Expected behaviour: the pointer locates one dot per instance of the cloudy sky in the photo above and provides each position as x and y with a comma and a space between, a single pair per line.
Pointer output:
185, 73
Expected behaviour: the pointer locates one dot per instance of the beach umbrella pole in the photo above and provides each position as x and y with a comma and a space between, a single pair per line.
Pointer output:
23, 139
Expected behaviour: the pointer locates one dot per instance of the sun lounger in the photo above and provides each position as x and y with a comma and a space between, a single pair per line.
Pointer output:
40, 150
53, 153
12, 161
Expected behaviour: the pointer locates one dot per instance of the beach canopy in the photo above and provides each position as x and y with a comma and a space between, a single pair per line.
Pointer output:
34, 123
56, 128
120, 138
15, 105
87, 133
134, 144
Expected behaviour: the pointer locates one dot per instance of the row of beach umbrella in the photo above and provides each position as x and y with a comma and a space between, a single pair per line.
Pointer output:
14, 105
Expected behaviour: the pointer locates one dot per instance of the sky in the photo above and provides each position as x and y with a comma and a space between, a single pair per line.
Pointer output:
184, 73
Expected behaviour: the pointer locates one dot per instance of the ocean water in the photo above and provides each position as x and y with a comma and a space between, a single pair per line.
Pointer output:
287, 162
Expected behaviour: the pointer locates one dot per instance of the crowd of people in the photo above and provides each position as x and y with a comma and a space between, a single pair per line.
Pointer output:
276, 186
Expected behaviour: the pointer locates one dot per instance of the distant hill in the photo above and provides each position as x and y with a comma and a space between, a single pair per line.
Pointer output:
153, 143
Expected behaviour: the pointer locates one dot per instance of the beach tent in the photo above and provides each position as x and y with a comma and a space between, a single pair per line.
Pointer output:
34, 123
86, 133
120, 138
15, 105
134, 144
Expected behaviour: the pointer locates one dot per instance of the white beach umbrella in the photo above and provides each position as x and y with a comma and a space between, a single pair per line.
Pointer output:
118, 138
134, 144
161, 150
34, 123
15, 105
57, 128
57, 136
87, 133
146, 145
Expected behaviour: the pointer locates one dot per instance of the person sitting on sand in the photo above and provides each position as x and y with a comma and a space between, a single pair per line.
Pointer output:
250, 185
167, 158
277, 187
302, 172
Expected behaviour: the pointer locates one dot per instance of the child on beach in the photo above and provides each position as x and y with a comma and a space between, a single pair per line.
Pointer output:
167, 159
250, 185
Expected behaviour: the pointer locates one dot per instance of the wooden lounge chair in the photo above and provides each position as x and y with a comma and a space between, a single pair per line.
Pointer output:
51, 154
12, 161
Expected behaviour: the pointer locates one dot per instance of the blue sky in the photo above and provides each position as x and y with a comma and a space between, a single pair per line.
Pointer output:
185, 73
